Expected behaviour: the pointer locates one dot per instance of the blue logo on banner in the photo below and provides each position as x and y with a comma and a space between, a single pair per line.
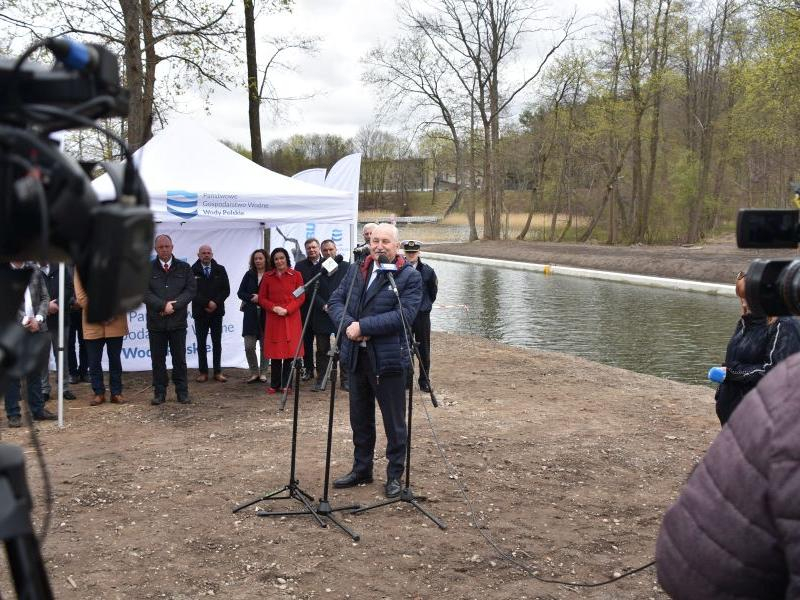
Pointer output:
336, 235
182, 204
310, 227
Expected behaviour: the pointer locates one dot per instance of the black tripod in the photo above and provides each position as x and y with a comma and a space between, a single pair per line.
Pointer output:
407, 494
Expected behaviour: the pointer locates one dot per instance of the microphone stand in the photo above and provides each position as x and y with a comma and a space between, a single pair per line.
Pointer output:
292, 488
406, 494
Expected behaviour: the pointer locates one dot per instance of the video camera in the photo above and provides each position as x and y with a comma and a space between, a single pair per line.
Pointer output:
772, 287
48, 209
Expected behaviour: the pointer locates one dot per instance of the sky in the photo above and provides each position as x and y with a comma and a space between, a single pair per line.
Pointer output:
340, 102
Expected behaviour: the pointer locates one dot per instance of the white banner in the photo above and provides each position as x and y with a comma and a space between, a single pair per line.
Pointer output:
232, 247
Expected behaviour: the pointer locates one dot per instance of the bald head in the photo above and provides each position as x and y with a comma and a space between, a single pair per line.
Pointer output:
163, 247
384, 240
205, 254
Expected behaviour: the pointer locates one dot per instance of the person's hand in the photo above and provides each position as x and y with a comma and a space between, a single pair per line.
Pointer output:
32, 325
254, 298
212, 306
354, 332
52, 308
280, 311
169, 307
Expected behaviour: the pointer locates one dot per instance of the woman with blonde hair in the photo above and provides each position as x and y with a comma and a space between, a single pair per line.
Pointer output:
96, 335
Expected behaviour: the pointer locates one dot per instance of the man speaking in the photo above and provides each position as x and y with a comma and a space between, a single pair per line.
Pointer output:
375, 353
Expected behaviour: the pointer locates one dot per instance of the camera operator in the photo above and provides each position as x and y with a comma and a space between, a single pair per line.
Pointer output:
734, 531
32, 315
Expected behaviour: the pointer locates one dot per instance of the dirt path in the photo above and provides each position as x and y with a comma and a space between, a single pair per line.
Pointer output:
569, 464
716, 262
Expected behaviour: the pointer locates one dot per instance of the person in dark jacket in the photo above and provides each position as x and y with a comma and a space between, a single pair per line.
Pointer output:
171, 289
253, 316
376, 353
758, 344
734, 532
422, 324
321, 323
50, 274
308, 267
208, 308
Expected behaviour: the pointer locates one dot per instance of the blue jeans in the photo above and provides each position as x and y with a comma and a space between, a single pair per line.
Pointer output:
94, 350
33, 382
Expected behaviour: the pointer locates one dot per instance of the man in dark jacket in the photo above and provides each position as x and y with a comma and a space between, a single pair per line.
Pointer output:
734, 532
376, 353
208, 308
422, 324
50, 274
308, 267
321, 323
31, 315
172, 288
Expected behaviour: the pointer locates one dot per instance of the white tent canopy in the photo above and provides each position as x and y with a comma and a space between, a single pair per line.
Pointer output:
191, 177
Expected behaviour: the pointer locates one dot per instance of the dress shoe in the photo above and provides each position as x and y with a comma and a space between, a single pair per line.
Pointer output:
253, 379
262, 378
220, 377
68, 395
15, 421
353, 479
424, 387
158, 399
272, 390
98, 400
184, 399
117, 399
392, 488
202, 378
306, 374
45, 415
73, 379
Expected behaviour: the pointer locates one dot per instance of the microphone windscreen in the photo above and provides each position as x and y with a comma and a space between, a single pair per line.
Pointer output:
330, 265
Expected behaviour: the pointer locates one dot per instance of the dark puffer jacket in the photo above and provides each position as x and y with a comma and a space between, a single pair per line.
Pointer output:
735, 530
754, 349
375, 309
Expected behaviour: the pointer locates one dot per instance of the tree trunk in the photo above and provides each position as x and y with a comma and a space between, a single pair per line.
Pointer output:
253, 101
134, 77
151, 61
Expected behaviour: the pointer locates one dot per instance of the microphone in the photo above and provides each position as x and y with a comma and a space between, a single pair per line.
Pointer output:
388, 267
74, 55
329, 266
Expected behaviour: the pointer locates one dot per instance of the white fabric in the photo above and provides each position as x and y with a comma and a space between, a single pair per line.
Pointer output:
232, 247
28, 306
343, 176
192, 177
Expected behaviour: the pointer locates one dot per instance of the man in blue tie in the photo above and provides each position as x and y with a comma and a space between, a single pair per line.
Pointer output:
208, 308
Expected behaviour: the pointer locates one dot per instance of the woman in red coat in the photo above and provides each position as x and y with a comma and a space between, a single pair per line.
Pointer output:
283, 326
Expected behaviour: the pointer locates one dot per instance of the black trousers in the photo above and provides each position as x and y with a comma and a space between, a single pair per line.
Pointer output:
175, 341
76, 365
389, 390
202, 325
279, 373
422, 334
308, 346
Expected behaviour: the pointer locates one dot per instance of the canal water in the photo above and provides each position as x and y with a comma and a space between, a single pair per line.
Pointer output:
671, 334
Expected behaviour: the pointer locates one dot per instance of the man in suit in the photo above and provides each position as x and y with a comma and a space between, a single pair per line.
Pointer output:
308, 267
31, 315
171, 289
50, 274
321, 323
422, 324
376, 354
208, 308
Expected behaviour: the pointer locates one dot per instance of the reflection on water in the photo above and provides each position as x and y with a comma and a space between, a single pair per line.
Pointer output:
677, 335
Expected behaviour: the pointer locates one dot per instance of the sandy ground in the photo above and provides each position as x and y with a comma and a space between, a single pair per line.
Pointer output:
717, 261
567, 464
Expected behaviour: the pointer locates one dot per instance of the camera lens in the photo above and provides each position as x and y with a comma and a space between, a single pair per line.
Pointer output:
789, 287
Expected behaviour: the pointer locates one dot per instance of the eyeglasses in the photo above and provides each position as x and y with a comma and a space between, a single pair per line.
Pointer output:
740, 275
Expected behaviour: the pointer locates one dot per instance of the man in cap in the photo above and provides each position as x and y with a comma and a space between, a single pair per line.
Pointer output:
422, 323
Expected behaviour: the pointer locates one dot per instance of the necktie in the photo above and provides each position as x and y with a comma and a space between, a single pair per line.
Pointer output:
166, 268
208, 272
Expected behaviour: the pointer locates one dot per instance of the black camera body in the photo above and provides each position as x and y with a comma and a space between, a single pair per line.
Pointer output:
48, 209
772, 287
